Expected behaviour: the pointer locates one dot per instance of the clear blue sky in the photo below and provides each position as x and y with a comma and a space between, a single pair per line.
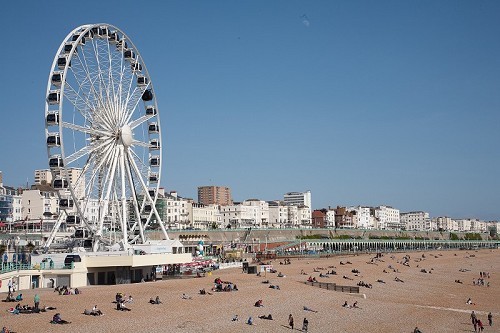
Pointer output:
361, 102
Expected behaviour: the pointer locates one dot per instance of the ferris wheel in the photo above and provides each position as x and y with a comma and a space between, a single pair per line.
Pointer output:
103, 137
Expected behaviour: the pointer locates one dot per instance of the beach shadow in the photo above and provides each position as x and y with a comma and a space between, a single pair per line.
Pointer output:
295, 329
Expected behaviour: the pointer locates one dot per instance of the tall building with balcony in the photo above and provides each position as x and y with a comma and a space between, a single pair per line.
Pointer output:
387, 218
206, 217
416, 221
214, 195
298, 198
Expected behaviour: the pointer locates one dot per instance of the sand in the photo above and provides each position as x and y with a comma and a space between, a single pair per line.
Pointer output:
431, 301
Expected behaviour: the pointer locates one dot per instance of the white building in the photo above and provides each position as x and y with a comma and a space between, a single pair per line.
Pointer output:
262, 218
416, 221
330, 218
387, 218
40, 203
364, 219
176, 210
298, 198
278, 214
304, 215
444, 223
240, 216
206, 216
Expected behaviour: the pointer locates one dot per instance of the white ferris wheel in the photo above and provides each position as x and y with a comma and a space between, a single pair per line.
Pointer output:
103, 138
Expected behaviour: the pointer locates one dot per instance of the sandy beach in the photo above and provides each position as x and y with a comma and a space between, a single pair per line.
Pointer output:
433, 301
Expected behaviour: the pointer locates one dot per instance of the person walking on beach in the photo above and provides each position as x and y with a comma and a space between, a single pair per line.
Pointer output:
490, 319
480, 326
305, 325
290, 321
473, 318
36, 300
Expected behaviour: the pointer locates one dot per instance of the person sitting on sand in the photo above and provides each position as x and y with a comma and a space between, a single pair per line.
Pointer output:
355, 304
157, 300
258, 303
19, 297
345, 305
417, 330
280, 274
203, 291
309, 309
250, 321
268, 317
235, 318
58, 320
122, 307
96, 311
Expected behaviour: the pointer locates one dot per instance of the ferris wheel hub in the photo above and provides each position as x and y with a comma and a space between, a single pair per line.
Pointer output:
126, 135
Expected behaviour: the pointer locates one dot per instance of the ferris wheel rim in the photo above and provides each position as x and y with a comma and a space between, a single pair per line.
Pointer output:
125, 130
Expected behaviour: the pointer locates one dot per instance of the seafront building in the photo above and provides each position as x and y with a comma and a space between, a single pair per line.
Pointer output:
416, 221
214, 195
10, 204
39, 207
298, 199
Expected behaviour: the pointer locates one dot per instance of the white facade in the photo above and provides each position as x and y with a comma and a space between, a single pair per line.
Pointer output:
416, 221
304, 216
38, 204
240, 216
206, 216
364, 219
278, 214
387, 218
444, 223
262, 218
176, 211
330, 218
298, 198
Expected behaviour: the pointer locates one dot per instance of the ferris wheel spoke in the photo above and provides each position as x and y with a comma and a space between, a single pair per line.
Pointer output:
132, 102
142, 164
93, 83
140, 143
80, 103
83, 129
86, 150
139, 121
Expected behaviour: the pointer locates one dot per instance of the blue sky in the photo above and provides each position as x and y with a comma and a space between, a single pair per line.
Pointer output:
361, 102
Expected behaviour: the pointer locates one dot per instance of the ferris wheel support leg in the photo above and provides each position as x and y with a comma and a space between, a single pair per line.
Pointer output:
110, 179
123, 198
55, 229
145, 188
134, 200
